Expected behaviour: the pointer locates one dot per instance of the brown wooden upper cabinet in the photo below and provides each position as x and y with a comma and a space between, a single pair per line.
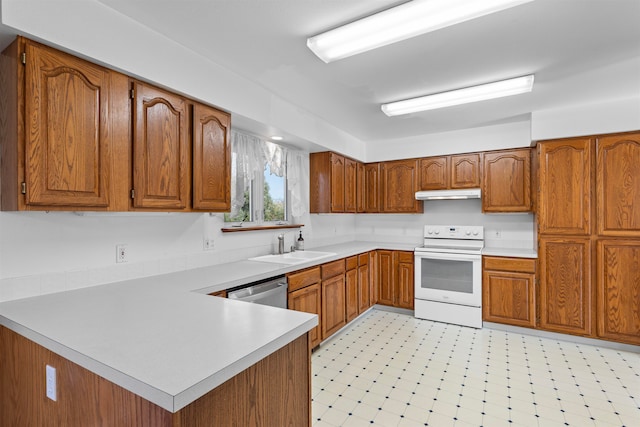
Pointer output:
399, 181
565, 186
211, 159
333, 183
372, 188
448, 172
89, 138
506, 181
59, 152
161, 149
618, 184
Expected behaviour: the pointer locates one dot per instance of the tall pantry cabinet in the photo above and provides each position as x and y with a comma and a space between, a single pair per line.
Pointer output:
589, 236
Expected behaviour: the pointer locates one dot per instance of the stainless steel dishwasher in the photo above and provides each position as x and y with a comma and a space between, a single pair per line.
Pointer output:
272, 291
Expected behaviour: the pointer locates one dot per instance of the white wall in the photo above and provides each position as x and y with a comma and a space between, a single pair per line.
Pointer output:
138, 51
510, 135
516, 230
609, 116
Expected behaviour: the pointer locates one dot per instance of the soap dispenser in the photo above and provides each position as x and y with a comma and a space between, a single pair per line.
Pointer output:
300, 243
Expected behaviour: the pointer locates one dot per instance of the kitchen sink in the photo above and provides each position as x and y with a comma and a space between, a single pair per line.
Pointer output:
292, 258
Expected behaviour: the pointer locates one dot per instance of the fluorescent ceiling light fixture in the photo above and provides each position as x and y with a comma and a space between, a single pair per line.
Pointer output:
277, 138
399, 23
467, 95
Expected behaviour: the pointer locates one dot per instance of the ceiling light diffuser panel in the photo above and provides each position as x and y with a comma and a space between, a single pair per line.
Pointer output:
467, 95
400, 23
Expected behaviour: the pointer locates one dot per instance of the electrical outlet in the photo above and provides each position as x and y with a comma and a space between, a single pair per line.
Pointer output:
207, 244
52, 391
122, 253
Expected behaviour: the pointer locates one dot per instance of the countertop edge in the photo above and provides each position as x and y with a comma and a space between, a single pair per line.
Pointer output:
198, 390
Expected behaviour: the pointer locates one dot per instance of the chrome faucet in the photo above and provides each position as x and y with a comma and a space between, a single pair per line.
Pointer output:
281, 244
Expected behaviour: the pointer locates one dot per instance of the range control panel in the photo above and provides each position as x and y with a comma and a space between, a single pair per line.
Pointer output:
469, 232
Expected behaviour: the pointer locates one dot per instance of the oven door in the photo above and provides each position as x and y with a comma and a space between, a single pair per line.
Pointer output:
449, 278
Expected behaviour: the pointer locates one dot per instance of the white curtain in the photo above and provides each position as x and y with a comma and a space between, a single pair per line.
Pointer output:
250, 157
275, 158
249, 160
298, 182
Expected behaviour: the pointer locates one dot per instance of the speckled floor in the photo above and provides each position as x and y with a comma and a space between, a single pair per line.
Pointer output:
391, 369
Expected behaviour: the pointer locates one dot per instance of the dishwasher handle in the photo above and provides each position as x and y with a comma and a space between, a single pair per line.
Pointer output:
258, 292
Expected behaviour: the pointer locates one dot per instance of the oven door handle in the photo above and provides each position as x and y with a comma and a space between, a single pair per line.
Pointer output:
448, 257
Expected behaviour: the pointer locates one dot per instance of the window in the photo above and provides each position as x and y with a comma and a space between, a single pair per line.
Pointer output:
264, 196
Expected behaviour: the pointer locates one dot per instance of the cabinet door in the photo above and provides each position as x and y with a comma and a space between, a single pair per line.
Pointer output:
434, 173
506, 181
211, 159
161, 149
337, 183
67, 135
361, 187
364, 286
386, 288
565, 285
352, 297
465, 171
404, 280
564, 199
618, 185
508, 297
372, 184
333, 305
618, 266
308, 300
373, 277
350, 173
399, 185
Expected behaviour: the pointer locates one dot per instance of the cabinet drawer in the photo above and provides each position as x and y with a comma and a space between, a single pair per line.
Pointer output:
405, 257
331, 269
363, 259
303, 278
521, 265
352, 262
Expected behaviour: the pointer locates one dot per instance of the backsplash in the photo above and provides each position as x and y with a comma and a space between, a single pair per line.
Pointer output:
501, 230
45, 252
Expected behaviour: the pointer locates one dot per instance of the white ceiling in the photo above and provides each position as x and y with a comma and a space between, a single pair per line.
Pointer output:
581, 51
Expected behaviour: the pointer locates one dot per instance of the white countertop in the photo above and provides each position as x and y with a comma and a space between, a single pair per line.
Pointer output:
509, 252
162, 337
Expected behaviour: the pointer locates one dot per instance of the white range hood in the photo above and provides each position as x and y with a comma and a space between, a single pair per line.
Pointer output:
466, 193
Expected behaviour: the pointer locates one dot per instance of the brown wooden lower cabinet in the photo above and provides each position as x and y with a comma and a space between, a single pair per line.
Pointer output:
566, 301
333, 305
333, 297
508, 291
386, 289
305, 295
395, 278
364, 286
276, 391
618, 299
352, 299
308, 300
403, 264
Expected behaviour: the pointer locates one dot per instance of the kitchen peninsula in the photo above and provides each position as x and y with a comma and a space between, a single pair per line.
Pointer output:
149, 352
